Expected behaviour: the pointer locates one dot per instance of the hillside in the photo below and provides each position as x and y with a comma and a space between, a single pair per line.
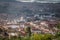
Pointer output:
16, 9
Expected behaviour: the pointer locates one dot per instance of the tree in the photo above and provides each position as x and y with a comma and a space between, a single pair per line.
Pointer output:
48, 37
57, 36
58, 25
29, 31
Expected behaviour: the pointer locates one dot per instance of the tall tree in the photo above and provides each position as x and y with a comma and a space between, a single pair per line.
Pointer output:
29, 31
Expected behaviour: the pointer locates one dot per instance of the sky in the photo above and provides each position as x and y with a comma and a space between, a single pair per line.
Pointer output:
42, 1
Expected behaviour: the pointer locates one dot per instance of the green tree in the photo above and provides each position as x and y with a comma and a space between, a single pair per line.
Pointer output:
28, 31
48, 37
58, 25
57, 36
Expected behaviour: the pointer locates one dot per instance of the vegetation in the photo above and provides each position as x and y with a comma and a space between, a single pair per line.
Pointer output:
28, 31
36, 37
58, 25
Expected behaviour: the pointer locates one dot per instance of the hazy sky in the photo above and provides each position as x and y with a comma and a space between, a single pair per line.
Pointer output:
39, 1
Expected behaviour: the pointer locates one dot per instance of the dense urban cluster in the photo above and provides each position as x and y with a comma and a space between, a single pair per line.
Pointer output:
29, 21
24, 28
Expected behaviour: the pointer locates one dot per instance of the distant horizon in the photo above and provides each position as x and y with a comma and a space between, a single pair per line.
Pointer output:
32, 1
40, 1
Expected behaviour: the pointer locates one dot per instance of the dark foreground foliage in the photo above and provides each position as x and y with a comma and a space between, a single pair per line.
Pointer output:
36, 37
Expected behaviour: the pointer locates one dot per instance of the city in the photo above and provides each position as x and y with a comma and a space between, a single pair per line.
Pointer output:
29, 20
